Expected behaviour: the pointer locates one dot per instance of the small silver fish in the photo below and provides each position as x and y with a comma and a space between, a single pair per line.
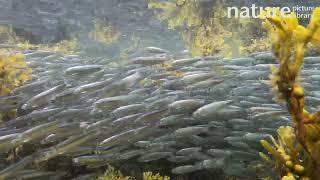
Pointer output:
184, 62
11, 170
112, 103
155, 50
123, 137
43, 97
154, 156
179, 159
5, 142
130, 154
128, 110
150, 60
188, 151
66, 146
195, 78
175, 120
86, 69
185, 169
95, 159
216, 163
151, 117
36, 132
92, 86
185, 106
211, 109
9, 102
191, 130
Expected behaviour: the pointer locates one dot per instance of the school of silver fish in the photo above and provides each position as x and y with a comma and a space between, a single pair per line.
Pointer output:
196, 113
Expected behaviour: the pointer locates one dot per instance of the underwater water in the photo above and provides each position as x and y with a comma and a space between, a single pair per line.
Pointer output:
137, 89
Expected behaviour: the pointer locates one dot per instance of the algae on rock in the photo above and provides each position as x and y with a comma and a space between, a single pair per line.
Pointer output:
206, 30
104, 32
201, 29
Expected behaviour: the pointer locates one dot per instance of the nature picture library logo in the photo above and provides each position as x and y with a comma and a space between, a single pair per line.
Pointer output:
302, 12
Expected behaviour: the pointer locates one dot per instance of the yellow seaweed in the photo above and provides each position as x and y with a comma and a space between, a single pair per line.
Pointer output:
151, 176
296, 154
14, 72
113, 174
64, 46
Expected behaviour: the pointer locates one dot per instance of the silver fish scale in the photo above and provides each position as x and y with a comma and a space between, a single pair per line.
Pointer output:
197, 120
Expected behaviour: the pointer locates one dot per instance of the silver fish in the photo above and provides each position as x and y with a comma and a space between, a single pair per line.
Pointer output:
191, 130
40, 174
43, 97
179, 159
66, 146
216, 163
195, 78
269, 114
142, 144
92, 86
112, 103
128, 110
37, 132
151, 117
150, 60
211, 109
185, 106
130, 154
175, 120
184, 62
155, 50
154, 156
5, 142
185, 169
126, 121
205, 84
255, 137
123, 137
100, 124
312, 60
253, 74
188, 151
95, 159
86, 69
9, 102
11, 170
219, 153
240, 122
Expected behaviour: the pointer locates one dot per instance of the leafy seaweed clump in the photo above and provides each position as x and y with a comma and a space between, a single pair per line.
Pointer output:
286, 153
151, 176
113, 174
14, 71
296, 155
